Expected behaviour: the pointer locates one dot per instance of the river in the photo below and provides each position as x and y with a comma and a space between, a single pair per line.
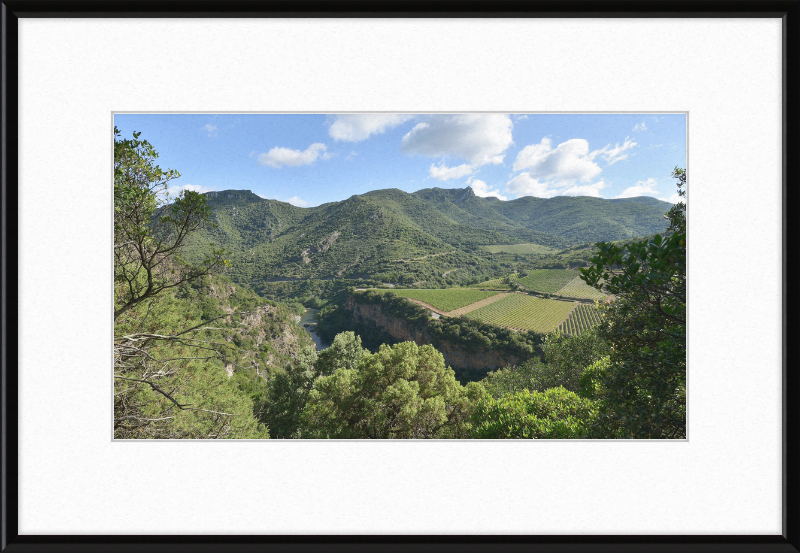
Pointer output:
310, 318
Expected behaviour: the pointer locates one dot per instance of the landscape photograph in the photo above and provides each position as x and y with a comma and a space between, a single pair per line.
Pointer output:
399, 276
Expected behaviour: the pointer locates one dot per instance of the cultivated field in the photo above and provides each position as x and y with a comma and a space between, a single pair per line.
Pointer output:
495, 283
448, 299
583, 317
576, 288
522, 312
519, 248
547, 280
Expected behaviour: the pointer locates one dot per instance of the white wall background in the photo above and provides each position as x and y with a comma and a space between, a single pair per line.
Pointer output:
725, 73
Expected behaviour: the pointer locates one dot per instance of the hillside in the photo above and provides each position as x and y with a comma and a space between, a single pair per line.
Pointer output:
394, 236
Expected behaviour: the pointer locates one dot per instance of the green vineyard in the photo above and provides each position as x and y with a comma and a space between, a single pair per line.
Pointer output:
522, 312
582, 318
548, 280
496, 283
446, 299
576, 288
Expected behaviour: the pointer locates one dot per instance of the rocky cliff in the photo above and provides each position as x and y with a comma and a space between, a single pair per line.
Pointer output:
455, 355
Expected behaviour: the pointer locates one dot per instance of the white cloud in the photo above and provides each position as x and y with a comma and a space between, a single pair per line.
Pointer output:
640, 127
569, 162
520, 117
352, 156
476, 138
613, 155
525, 185
446, 173
210, 129
295, 200
675, 198
278, 157
483, 190
357, 127
586, 190
641, 188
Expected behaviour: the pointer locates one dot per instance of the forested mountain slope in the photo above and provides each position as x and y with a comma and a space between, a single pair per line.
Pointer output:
370, 234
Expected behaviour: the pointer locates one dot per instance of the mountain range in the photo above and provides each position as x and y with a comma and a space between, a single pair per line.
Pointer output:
384, 232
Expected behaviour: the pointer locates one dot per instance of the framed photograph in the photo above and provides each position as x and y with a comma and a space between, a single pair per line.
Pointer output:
450, 229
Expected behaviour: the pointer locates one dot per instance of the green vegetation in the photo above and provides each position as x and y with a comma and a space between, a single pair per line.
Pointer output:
192, 351
547, 280
402, 391
582, 318
576, 288
494, 284
200, 355
641, 389
522, 312
519, 248
448, 299
555, 414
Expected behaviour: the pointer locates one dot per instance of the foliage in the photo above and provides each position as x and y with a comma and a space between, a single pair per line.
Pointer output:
555, 413
287, 394
519, 248
403, 391
192, 351
643, 387
149, 232
565, 360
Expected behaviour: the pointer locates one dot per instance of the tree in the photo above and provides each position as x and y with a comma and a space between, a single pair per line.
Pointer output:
403, 391
642, 388
148, 230
287, 395
169, 380
566, 358
554, 413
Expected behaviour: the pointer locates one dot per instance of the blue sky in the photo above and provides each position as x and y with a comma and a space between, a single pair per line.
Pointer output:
308, 159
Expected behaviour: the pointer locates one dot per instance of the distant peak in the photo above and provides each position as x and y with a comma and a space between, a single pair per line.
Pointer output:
466, 194
246, 195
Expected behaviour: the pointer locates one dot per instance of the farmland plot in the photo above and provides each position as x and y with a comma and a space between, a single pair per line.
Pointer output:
447, 299
523, 312
576, 288
548, 280
583, 317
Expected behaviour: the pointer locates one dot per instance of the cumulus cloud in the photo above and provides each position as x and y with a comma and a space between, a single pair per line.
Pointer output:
526, 185
570, 161
443, 172
640, 127
615, 154
296, 200
586, 190
479, 139
483, 190
675, 198
360, 126
641, 188
278, 157
210, 129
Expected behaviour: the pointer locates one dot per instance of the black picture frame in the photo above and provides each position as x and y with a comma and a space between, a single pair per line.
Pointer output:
13, 10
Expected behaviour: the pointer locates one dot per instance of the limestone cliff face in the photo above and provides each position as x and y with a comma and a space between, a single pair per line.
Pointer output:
398, 328
455, 355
